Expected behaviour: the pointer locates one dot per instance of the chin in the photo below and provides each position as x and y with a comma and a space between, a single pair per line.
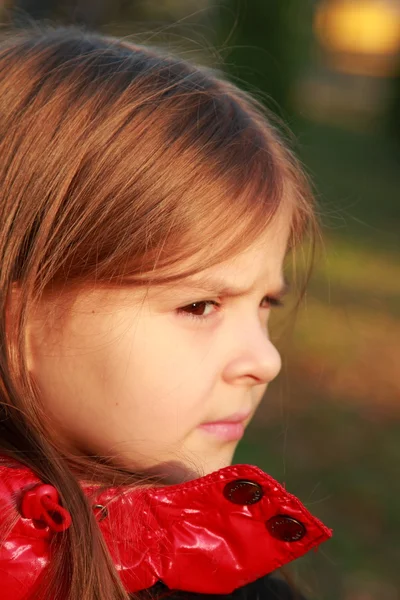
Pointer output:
220, 460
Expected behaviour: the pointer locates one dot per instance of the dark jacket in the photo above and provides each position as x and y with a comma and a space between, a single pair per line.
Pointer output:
269, 587
221, 534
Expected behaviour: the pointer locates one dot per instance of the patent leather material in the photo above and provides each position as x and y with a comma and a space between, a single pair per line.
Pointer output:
208, 535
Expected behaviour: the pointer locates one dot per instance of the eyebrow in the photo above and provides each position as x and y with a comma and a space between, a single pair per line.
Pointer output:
214, 285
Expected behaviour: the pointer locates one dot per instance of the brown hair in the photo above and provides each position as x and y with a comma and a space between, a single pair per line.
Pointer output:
117, 161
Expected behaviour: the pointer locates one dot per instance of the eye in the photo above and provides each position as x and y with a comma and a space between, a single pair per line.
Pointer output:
272, 302
196, 309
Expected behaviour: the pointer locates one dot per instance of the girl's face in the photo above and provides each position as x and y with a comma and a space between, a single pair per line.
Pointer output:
133, 374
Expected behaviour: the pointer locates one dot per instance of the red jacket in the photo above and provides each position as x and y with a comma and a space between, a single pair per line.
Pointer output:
209, 535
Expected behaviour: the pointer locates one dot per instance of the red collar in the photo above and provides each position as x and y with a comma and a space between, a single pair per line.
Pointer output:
209, 535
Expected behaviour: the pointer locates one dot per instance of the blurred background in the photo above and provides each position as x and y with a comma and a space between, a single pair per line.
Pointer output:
329, 427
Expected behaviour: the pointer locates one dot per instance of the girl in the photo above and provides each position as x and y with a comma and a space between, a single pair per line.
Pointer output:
146, 210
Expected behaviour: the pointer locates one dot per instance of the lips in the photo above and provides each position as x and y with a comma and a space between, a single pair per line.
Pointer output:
238, 417
227, 429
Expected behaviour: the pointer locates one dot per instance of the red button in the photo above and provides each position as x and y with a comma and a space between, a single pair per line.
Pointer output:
41, 504
286, 528
243, 491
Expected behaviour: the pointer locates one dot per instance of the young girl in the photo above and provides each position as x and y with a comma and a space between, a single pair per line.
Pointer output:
146, 209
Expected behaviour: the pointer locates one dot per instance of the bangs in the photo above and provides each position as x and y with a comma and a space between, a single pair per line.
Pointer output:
176, 170
239, 188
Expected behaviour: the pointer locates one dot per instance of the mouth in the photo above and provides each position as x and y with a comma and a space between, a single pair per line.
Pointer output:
229, 428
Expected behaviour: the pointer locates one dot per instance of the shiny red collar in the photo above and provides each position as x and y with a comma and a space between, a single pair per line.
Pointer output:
208, 535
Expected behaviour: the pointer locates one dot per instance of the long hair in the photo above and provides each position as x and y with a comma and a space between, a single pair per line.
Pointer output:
119, 165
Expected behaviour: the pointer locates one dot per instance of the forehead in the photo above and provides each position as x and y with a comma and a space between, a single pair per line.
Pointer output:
271, 244
259, 264
264, 257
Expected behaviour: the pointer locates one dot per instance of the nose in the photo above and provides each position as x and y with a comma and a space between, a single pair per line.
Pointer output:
254, 358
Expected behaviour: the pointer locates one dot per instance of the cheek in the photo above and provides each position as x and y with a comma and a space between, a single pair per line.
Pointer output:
122, 381
153, 382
